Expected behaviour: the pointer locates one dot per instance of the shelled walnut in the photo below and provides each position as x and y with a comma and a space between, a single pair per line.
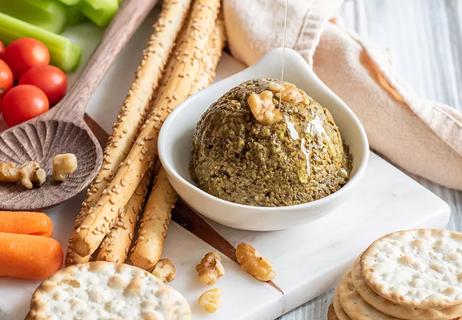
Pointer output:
288, 92
164, 270
8, 172
263, 107
210, 300
30, 173
252, 263
27, 174
210, 269
64, 165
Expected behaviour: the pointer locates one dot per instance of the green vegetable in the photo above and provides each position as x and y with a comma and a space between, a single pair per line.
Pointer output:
64, 54
100, 11
69, 2
46, 14
74, 15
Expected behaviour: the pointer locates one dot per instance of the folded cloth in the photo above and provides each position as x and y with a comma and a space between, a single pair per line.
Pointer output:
418, 135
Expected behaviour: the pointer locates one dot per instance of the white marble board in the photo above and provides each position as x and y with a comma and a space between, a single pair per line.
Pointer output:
308, 259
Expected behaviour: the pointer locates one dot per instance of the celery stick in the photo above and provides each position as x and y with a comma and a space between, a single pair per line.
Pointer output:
74, 16
69, 2
64, 54
100, 11
46, 14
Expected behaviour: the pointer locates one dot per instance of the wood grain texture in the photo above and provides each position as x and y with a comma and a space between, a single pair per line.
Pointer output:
62, 129
425, 42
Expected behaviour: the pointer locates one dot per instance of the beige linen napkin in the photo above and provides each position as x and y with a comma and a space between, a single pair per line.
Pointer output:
420, 136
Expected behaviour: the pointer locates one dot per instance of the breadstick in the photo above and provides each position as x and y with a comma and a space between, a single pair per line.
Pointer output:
136, 105
115, 246
103, 215
156, 218
210, 60
153, 228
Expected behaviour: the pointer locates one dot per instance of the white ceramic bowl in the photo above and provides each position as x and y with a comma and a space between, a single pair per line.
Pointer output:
175, 145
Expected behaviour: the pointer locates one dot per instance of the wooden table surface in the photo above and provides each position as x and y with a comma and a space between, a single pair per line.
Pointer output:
425, 40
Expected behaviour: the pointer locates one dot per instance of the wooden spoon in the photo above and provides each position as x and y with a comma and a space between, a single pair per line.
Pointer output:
62, 129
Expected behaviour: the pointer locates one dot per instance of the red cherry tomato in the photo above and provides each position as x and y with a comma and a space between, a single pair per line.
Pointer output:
22, 103
24, 53
50, 79
6, 77
2, 49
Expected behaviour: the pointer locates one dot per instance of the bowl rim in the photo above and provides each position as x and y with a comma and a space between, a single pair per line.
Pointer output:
363, 161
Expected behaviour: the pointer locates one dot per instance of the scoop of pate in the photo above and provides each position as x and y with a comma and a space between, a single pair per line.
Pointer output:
267, 143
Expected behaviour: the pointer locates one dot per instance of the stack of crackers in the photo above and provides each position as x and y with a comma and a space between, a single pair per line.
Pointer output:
413, 275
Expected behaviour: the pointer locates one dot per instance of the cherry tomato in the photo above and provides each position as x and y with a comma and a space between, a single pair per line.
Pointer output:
2, 49
22, 103
6, 77
23, 53
50, 79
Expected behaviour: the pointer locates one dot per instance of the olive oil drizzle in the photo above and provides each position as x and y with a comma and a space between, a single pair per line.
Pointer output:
283, 48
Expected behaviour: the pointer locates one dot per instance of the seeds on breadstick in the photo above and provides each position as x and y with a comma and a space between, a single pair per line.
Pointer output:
154, 224
210, 60
135, 107
117, 243
102, 216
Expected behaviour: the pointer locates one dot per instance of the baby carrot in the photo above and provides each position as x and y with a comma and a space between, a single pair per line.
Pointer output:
34, 223
29, 257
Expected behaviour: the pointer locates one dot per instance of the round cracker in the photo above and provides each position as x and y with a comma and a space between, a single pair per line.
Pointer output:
397, 310
340, 313
331, 313
106, 290
355, 307
420, 268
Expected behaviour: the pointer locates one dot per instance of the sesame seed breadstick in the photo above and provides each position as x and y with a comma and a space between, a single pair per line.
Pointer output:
135, 106
156, 217
116, 245
154, 224
210, 60
103, 215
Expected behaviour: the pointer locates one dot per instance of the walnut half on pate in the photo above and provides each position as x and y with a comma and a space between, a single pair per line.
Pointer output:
267, 143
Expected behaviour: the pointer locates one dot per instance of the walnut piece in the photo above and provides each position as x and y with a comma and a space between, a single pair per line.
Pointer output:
164, 270
210, 300
210, 269
30, 173
8, 172
288, 92
64, 165
26, 174
252, 263
263, 108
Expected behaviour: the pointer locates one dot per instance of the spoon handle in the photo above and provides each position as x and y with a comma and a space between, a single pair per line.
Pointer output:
130, 15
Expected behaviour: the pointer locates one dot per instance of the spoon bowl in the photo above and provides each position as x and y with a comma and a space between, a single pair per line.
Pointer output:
62, 129
60, 137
